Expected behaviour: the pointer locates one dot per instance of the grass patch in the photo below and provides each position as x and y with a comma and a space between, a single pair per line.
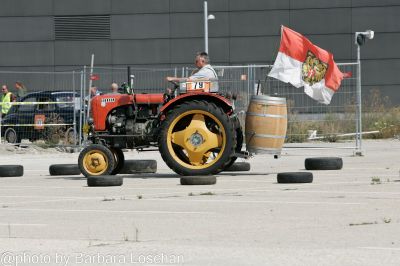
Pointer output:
209, 193
375, 180
364, 223
108, 199
378, 115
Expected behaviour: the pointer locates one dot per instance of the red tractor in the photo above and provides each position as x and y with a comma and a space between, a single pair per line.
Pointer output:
196, 130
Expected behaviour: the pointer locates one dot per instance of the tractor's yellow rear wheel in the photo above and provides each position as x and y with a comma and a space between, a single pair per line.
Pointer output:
96, 160
197, 138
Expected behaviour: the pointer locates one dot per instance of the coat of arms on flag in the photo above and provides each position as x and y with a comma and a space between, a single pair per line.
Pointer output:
302, 63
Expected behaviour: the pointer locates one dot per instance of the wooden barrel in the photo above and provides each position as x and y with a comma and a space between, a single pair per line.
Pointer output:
266, 124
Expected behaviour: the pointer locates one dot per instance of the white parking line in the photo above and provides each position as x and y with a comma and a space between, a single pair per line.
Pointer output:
327, 191
102, 211
35, 201
263, 201
3, 224
380, 248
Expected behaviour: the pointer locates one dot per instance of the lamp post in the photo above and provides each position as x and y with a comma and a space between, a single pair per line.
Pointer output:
359, 39
206, 18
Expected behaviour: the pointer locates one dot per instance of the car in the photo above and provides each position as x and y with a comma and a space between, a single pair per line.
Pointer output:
45, 115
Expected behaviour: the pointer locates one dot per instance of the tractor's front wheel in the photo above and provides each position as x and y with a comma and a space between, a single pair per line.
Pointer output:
197, 138
96, 160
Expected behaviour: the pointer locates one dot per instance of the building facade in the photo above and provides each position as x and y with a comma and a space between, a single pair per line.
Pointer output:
53, 35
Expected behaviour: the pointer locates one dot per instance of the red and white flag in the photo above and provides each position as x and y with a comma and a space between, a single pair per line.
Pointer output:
302, 63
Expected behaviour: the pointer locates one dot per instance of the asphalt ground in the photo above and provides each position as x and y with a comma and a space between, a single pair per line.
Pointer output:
345, 217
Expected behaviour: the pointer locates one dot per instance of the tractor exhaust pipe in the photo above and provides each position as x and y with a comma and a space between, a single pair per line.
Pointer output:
129, 77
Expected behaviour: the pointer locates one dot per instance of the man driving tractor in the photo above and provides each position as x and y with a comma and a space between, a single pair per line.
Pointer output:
204, 72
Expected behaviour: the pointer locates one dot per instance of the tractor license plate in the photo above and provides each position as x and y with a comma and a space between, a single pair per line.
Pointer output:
191, 86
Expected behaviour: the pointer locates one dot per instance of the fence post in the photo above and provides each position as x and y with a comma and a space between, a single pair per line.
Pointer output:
90, 86
84, 94
73, 106
249, 78
358, 151
183, 72
81, 109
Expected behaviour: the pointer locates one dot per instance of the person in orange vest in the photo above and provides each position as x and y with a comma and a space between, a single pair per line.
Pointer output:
6, 98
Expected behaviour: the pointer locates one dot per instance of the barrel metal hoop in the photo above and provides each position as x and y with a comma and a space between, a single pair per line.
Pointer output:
272, 103
266, 115
267, 98
267, 136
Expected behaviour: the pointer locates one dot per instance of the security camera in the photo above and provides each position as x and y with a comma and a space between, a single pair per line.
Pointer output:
360, 36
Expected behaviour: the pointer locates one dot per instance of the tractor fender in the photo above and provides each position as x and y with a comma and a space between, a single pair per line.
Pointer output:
205, 96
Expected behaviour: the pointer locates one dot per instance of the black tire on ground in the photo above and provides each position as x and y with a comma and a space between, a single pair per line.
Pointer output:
139, 167
295, 177
64, 169
323, 163
238, 167
104, 181
11, 170
239, 145
99, 160
198, 180
11, 136
119, 160
179, 118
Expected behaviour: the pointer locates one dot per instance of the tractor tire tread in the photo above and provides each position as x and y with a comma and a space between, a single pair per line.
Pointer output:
64, 169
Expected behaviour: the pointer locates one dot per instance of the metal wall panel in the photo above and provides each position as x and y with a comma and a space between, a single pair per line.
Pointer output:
79, 52
380, 19
218, 50
187, 25
192, 25
258, 23
80, 7
26, 8
139, 6
26, 54
380, 72
197, 6
321, 21
263, 49
296, 4
184, 50
359, 3
140, 26
141, 51
239, 5
26, 28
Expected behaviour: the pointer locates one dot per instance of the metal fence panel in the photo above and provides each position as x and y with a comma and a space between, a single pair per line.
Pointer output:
307, 119
48, 114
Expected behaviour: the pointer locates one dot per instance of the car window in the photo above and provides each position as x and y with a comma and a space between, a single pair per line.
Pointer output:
69, 101
27, 107
46, 106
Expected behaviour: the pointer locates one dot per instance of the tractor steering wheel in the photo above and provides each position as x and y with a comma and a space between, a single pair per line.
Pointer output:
176, 84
